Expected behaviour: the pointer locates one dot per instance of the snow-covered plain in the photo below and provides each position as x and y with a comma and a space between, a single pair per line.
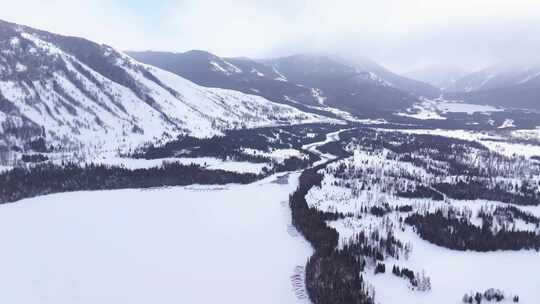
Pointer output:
196, 244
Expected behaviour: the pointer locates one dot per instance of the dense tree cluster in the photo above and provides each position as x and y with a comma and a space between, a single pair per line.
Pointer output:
380, 210
310, 221
34, 158
421, 191
452, 230
376, 245
418, 281
380, 268
472, 190
511, 213
293, 163
491, 295
403, 272
43, 179
332, 274
337, 148
231, 144
404, 208
334, 278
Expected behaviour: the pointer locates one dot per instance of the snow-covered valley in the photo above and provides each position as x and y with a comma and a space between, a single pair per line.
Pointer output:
159, 177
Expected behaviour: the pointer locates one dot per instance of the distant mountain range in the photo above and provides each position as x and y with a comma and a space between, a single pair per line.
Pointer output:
497, 77
313, 81
71, 93
508, 85
511, 86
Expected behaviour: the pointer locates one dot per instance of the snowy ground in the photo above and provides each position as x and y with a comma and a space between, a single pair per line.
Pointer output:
454, 273
207, 162
196, 244
432, 109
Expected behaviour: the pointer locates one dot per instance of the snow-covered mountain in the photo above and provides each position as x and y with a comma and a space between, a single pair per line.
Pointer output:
404, 83
305, 81
242, 74
496, 77
73, 92
513, 86
360, 86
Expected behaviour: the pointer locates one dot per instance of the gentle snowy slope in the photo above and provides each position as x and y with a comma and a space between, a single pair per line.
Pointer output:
196, 244
75, 92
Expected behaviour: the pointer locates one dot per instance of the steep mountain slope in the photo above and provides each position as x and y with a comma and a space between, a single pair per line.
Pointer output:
242, 74
363, 88
407, 84
73, 92
503, 85
305, 81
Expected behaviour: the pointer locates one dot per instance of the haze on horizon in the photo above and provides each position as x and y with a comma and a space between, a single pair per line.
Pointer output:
402, 35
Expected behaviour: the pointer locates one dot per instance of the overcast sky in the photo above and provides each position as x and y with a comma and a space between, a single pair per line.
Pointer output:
401, 34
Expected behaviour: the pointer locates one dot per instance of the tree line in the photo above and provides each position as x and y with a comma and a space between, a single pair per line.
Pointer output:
48, 178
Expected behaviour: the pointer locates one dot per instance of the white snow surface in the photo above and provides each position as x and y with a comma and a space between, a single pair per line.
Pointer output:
196, 244
423, 111
507, 123
433, 109
206, 162
454, 273
461, 107
533, 134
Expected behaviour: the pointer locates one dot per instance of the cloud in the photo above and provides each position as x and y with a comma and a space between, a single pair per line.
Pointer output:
401, 34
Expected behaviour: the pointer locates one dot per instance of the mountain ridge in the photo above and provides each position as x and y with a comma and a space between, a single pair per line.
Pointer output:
73, 92
309, 80
508, 85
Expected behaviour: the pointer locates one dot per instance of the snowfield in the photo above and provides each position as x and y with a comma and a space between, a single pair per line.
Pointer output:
196, 244
454, 273
432, 109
